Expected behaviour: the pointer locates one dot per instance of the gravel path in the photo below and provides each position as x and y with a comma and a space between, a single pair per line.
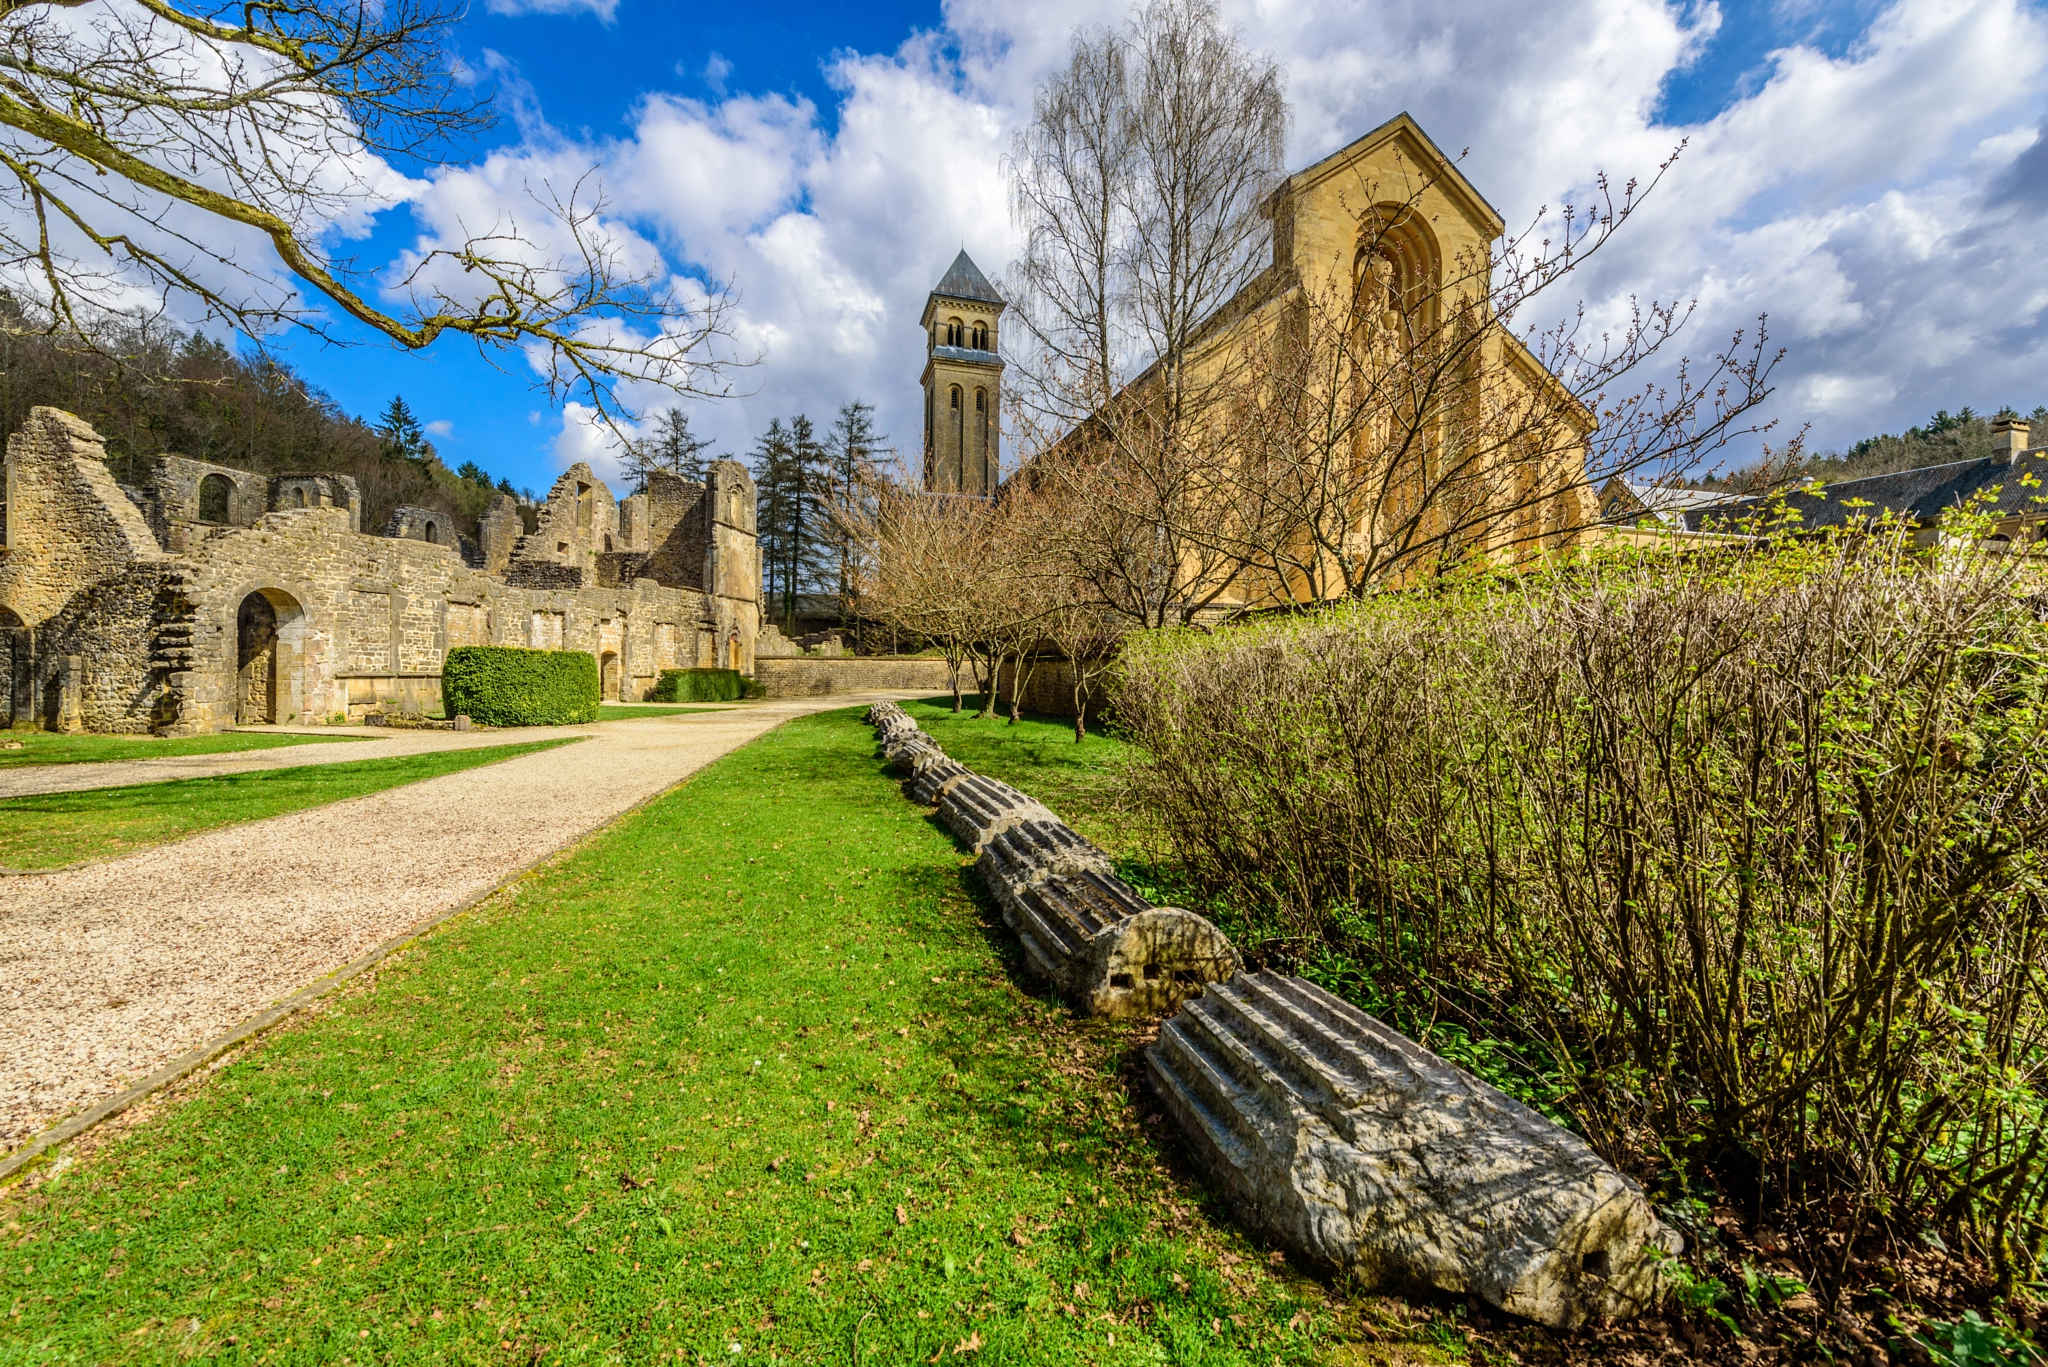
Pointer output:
110, 971
376, 743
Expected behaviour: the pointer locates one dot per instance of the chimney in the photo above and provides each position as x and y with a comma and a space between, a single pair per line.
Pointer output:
2008, 437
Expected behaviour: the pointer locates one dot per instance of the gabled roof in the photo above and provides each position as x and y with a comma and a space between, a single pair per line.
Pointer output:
1429, 160
1921, 496
964, 280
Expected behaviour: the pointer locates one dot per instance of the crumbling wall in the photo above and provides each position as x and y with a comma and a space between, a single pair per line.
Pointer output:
291, 492
68, 525
579, 521
498, 529
678, 530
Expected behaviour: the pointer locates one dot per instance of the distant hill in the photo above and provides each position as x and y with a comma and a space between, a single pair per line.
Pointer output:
1945, 437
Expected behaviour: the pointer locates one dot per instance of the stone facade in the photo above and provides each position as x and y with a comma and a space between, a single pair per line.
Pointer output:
287, 611
963, 383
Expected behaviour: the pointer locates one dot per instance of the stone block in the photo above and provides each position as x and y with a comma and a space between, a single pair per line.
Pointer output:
977, 809
931, 774
462, 722
1363, 1151
1101, 945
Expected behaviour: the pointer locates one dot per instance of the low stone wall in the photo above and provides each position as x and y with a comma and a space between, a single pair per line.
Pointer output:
1049, 689
808, 676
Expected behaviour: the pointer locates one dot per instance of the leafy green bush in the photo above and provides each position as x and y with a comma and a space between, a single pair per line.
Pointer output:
514, 686
698, 685
1745, 852
753, 688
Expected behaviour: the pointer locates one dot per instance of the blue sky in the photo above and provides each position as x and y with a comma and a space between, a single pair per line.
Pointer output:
1856, 170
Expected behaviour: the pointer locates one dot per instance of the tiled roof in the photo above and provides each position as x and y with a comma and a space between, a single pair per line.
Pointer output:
2002, 488
964, 280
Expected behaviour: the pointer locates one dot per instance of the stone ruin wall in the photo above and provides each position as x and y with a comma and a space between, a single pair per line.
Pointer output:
102, 630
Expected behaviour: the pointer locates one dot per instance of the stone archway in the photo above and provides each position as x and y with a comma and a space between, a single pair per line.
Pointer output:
609, 675
17, 672
269, 625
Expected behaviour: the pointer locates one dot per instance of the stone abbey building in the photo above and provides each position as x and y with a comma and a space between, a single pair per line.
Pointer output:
209, 596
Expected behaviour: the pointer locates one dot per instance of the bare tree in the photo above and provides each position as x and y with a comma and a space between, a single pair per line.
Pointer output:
924, 570
1391, 424
1139, 187
133, 134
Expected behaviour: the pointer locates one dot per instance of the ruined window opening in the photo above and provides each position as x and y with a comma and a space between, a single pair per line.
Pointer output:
216, 494
583, 507
607, 540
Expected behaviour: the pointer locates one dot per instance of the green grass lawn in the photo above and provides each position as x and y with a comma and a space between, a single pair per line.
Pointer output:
617, 711
53, 829
748, 1077
47, 747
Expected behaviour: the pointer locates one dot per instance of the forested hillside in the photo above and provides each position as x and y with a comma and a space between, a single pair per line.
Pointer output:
150, 389
1945, 437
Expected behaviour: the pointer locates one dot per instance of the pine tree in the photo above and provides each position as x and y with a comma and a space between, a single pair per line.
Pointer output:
856, 483
775, 479
809, 553
792, 470
400, 431
672, 447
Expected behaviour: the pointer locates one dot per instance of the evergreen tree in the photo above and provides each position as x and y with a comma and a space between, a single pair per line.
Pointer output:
672, 447
474, 473
400, 431
809, 551
775, 479
793, 472
856, 482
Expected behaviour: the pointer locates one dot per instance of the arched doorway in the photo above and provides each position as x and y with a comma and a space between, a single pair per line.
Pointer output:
216, 498
608, 669
17, 672
267, 631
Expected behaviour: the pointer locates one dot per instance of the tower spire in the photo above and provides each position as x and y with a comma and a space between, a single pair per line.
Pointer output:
963, 373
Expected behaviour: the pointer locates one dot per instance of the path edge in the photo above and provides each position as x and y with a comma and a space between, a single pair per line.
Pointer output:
191, 1061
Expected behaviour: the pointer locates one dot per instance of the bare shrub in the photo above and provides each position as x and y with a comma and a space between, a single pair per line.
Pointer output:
1744, 851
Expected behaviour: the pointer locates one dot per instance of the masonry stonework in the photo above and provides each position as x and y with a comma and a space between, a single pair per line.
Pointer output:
285, 611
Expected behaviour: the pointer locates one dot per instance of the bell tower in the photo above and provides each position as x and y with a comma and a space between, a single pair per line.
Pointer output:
963, 387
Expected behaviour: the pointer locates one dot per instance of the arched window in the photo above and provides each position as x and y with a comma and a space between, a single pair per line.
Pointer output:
1398, 271
956, 396
980, 342
981, 401
956, 332
607, 540
216, 496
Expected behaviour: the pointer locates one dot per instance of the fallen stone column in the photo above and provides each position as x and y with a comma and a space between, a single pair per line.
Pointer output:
978, 809
932, 773
1102, 946
904, 748
1366, 1152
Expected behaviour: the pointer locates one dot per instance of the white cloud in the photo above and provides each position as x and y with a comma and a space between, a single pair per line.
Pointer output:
1884, 223
607, 10
440, 427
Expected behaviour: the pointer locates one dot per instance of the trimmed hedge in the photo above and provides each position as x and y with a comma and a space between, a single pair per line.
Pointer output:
514, 686
699, 685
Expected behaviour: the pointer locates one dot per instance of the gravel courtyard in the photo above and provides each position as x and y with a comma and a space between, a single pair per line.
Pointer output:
110, 971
